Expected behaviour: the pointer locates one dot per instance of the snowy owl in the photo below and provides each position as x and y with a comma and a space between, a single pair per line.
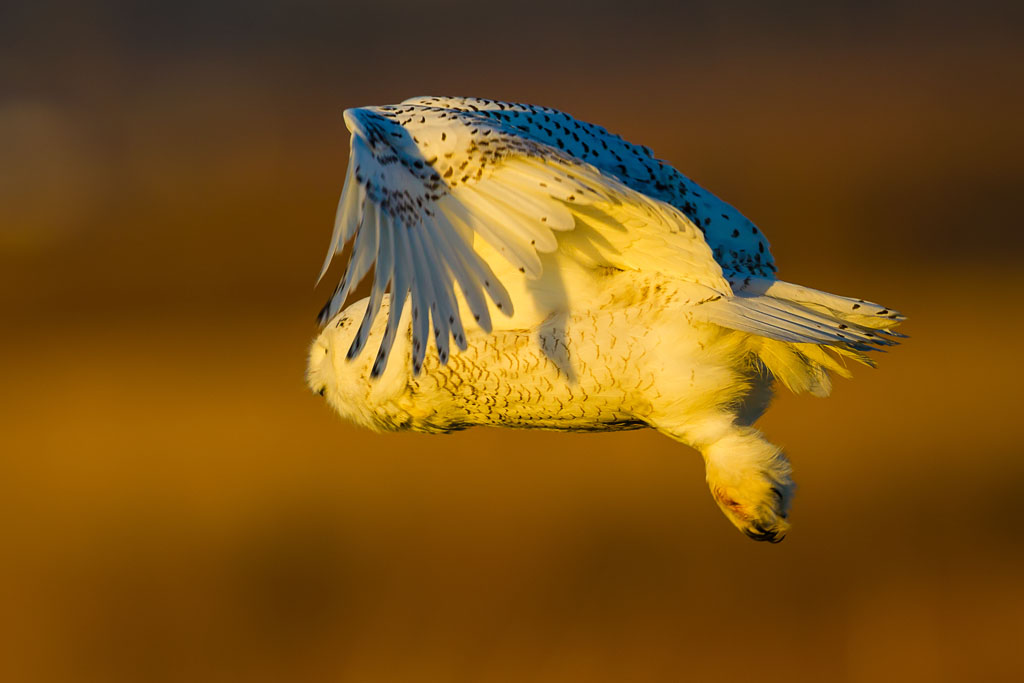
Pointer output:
586, 286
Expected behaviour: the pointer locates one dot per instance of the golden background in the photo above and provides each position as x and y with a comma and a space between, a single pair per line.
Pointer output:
178, 507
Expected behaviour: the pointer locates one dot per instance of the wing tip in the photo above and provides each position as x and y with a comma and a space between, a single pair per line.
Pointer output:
324, 269
324, 315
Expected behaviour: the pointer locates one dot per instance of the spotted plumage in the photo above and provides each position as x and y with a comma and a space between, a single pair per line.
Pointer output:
586, 285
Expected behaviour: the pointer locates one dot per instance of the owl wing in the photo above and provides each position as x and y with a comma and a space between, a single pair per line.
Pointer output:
737, 244
425, 182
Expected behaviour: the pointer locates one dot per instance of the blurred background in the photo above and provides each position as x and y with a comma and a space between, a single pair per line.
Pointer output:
177, 506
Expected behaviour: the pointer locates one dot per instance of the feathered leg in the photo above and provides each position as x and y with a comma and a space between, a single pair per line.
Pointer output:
749, 477
750, 480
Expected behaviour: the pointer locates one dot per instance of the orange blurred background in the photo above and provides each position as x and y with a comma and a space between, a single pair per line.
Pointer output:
179, 507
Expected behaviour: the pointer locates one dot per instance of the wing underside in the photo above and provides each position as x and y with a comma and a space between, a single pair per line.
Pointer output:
426, 183
518, 204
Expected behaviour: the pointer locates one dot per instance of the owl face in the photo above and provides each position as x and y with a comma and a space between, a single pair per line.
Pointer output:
329, 373
346, 383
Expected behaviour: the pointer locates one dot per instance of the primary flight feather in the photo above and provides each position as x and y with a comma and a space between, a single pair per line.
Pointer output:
585, 285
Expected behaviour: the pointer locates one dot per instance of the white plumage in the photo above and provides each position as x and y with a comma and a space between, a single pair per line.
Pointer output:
586, 286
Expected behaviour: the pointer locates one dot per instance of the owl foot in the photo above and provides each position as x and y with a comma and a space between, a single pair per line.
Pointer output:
750, 481
761, 519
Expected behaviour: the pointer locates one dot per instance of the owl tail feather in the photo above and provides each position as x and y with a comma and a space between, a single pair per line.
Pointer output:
801, 335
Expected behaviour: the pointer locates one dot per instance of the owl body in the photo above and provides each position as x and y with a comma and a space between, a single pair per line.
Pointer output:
633, 358
534, 271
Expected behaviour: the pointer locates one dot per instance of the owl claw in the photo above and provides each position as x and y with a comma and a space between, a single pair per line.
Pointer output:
759, 533
762, 518
750, 481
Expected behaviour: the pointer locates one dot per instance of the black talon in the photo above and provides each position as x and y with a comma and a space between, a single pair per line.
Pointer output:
761, 534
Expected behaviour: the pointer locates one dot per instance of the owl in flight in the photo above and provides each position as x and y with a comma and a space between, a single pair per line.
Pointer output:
568, 280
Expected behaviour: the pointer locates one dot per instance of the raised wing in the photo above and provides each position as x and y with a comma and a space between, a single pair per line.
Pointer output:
738, 245
424, 182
